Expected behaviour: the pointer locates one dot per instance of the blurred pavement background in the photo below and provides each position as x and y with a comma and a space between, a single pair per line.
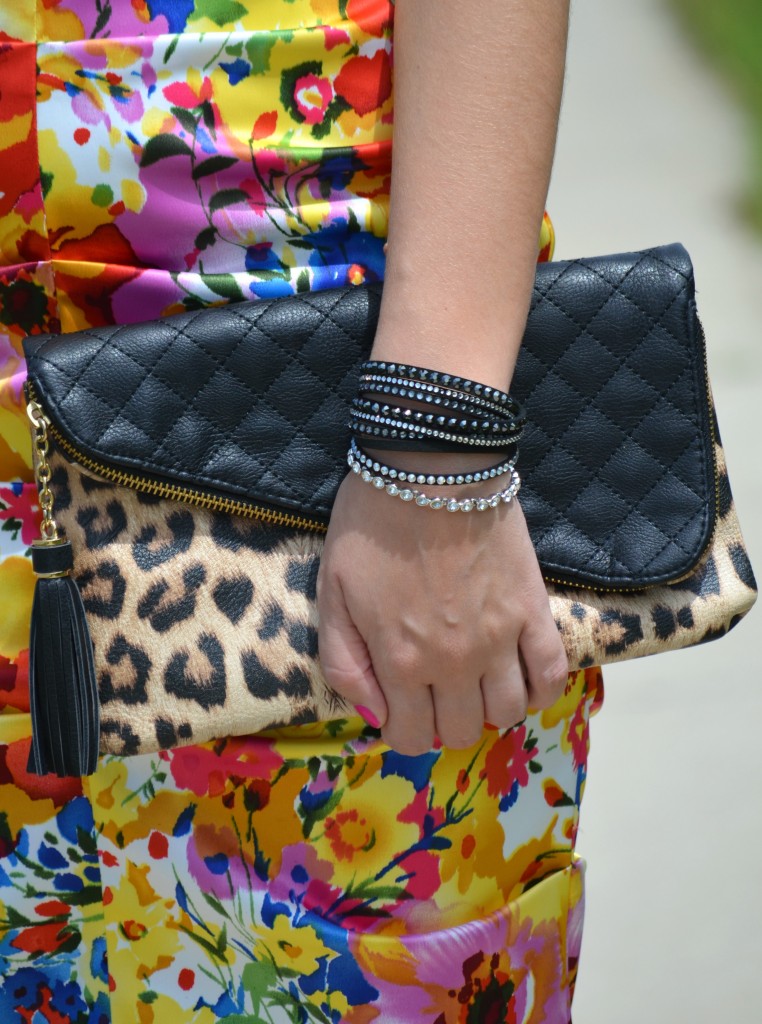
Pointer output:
652, 149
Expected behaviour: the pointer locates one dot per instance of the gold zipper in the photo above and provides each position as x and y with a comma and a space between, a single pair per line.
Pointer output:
174, 492
250, 510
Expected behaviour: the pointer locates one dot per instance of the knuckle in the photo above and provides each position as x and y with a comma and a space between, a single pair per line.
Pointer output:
343, 681
553, 679
510, 713
462, 741
403, 662
407, 746
460, 738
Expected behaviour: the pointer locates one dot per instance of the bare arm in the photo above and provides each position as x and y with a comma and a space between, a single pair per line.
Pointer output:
477, 88
438, 622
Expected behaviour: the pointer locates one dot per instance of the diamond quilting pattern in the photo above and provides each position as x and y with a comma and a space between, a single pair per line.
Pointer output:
250, 400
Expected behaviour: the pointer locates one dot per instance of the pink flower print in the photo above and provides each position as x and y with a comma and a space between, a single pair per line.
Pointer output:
20, 502
334, 36
312, 96
578, 735
207, 770
181, 94
506, 764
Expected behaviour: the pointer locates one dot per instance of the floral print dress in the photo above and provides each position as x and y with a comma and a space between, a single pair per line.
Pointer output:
162, 155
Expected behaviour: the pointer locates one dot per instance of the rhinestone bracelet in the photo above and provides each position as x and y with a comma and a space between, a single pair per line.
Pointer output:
384, 427
434, 394
360, 462
483, 426
439, 378
450, 504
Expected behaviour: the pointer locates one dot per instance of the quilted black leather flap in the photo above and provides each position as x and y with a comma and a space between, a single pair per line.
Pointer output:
250, 400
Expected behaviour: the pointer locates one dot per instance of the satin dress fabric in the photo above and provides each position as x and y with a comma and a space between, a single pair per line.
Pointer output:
164, 155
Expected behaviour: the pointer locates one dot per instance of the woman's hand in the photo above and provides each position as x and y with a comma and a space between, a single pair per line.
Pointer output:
435, 621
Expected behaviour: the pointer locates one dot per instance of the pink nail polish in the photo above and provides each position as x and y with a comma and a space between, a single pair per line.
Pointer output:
368, 715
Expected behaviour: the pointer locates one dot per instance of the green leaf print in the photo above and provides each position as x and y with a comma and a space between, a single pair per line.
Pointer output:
258, 49
221, 12
213, 165
222, 942
207, 112
205, 238
257, 978
104, 16
225, 285
227, 197
162, 146
170, 49
186, 119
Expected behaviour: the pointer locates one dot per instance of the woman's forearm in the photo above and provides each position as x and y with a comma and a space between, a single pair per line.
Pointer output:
477, 89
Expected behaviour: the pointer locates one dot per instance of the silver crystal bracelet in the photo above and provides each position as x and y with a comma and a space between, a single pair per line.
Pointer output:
435, 502
375, 468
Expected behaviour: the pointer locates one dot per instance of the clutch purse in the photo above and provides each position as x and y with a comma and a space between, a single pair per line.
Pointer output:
191, 462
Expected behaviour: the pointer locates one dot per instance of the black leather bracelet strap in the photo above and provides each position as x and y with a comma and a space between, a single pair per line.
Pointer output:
431, 394
377, 430
445, 380
496, 427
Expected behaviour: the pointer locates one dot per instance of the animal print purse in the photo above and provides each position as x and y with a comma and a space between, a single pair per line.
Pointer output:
191, 464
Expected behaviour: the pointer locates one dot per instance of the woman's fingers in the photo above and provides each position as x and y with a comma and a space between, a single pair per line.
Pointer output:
504, 692
344, 655
459, 712
545, 662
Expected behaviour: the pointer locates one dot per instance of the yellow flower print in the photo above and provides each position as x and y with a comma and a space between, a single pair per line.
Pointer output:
298, 948
16, 590
146, 942
361, 843
565, 707
122, 814
276, 825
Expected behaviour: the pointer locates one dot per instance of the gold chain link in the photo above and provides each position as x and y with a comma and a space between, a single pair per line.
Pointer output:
42, 472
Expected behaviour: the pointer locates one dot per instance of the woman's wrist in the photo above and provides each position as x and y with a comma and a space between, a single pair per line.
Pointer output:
480, 348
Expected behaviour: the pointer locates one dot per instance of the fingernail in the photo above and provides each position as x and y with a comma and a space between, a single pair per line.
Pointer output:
368, 715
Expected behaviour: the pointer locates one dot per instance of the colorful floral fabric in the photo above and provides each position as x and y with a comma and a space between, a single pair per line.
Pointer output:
160, 155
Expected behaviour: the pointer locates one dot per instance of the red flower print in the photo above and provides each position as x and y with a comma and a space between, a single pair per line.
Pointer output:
53, 908
133, 930
578, 735
373, 16
13, 761
312, 96
205, 771
40, 938
158, 845
507, 760
23, 507
348, 833
356, 274
365, 82
265, 125
554, 795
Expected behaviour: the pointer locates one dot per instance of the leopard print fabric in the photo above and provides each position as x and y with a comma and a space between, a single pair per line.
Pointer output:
600, 628
204, 623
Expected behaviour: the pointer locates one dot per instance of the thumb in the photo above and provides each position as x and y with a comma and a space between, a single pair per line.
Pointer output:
344, 656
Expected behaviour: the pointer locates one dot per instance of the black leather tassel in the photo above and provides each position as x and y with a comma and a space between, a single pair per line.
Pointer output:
62, 683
